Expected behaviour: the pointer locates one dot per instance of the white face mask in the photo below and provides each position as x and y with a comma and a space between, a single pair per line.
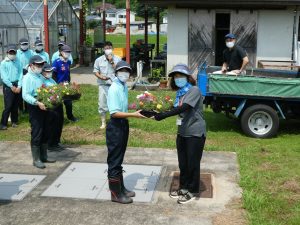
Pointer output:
36, 70
11, 57
123, 76
48, 75
66, 55
24, 47
230, 44
108, 51
39, 47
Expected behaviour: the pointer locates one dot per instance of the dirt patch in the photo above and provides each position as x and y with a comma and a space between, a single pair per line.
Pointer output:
76, 133
150, 137
292, 186
267, 166
234, 214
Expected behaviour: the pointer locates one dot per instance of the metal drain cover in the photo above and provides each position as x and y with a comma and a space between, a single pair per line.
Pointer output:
206, 188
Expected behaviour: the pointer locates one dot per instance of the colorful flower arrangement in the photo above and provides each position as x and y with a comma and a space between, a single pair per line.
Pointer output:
53, 96
151, 104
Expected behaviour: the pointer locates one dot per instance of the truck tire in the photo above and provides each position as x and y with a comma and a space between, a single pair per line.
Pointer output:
260, 121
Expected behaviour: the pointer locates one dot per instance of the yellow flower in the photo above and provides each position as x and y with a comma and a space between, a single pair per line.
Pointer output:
159, 106
67, 93
46, 91
38, 90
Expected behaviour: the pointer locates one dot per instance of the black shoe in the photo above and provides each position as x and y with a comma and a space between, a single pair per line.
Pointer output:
74, 119
55, 148
186, 198
49, 161
176, 194
2, 127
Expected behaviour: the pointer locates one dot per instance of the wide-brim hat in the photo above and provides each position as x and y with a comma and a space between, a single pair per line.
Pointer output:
180, 68
122, 64
229, 36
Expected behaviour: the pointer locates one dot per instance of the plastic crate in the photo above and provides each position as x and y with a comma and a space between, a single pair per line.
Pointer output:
121, 52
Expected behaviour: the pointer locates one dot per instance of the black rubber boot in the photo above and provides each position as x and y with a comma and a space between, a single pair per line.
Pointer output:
116, 194
35, 150
124, 190
44, 154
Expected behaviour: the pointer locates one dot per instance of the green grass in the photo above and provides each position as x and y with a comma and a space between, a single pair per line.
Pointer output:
269, 168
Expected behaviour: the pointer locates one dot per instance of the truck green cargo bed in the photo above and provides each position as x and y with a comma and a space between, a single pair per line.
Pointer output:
254, 86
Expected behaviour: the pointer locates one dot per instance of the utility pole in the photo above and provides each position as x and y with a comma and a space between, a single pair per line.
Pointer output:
128, 31
46, 26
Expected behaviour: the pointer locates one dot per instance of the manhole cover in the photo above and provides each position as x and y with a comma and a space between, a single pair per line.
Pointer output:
206, 188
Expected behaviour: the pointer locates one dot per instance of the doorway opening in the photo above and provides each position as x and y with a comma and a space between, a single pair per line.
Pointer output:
222, 28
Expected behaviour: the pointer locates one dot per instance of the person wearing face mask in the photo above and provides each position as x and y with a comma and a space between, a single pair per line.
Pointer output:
39, 50
117, 133
191, 135
104, 69
57, 53
61, 74
235, 58
11, 74
55, 119
24, 54
37, 112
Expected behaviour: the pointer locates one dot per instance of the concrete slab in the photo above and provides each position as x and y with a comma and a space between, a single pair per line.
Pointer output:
89, 181
40, 210
14, 187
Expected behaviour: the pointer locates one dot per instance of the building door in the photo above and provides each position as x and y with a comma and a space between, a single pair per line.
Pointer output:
201, 38
222, 28
243, 24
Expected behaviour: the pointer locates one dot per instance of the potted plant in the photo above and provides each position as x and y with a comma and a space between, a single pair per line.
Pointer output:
163, 83
155, 76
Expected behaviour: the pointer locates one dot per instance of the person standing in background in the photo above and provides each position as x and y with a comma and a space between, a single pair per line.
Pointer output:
24, 54
57, 53
55, 117
104, 69
62, 74
11, 74
39, 50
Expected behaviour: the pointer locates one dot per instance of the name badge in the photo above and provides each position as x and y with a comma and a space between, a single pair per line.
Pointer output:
178, 121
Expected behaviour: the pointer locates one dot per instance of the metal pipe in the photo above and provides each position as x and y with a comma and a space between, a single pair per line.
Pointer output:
46, 26
146, 25
128, 31
81, 34
157, 32
104, 21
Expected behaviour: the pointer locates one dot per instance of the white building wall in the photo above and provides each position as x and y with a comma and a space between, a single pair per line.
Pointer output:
275, 35
177, 37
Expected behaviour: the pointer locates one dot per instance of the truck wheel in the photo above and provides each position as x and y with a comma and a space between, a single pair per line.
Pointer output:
260, 121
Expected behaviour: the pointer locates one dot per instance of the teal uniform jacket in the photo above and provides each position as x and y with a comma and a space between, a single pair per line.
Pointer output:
31, 83
11, 71
24, 57
56, 56
117, 100
49, 82
44, 55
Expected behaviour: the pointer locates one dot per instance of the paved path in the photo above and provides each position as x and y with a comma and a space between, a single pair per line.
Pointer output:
223, 208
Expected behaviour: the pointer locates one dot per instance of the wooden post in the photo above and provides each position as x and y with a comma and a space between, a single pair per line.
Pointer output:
157, 32
81, 33
46, 26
